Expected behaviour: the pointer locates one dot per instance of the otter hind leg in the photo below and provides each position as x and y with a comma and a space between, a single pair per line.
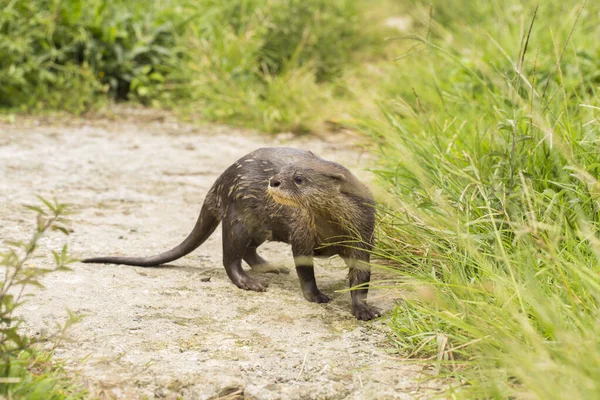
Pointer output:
259, 264
236, 241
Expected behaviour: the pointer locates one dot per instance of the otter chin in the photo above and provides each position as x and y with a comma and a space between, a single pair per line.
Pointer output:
282, 198
291, 196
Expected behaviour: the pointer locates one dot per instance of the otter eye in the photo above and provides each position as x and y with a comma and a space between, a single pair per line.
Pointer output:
298, 180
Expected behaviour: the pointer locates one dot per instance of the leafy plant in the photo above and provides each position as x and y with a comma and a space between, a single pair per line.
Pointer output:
24, 370
62, 53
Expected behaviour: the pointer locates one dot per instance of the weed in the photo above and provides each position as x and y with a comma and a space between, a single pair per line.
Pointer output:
24, 370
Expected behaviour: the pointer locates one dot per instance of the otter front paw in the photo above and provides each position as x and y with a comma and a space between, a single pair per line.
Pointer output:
365, 312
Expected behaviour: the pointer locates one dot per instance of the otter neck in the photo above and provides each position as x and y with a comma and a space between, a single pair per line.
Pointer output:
336, 215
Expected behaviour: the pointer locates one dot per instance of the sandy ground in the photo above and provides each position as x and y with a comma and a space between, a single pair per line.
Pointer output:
136, 180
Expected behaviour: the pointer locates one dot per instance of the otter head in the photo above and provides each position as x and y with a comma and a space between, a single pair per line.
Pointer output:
315, 185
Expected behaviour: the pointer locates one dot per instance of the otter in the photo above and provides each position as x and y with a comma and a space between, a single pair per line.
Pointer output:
291, 196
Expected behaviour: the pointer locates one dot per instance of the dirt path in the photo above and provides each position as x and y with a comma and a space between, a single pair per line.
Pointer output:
137, 182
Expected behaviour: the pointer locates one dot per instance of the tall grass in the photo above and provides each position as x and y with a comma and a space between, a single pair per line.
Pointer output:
490, 152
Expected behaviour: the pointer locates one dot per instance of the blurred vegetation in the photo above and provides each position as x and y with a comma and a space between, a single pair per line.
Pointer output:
267, 64
26, 371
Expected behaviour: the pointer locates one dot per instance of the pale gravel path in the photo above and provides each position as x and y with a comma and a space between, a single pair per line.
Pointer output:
137, 183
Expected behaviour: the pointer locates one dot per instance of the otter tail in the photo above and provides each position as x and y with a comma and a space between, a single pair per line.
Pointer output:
207, 222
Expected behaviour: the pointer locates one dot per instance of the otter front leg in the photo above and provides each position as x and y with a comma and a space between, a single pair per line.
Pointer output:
235, 242
306, 274
360, 275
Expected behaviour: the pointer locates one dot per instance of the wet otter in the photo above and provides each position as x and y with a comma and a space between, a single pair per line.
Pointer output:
291, 196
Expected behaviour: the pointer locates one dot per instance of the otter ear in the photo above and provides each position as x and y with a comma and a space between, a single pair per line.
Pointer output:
337, 176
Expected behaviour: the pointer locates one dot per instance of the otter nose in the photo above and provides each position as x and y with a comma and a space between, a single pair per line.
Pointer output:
274, 182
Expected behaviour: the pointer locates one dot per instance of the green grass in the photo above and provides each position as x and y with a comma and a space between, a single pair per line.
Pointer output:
490, 155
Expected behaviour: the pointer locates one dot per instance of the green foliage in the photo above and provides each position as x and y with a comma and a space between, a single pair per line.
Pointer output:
24, 371
321, 34
59, 54
490, 154
267, 64
241, 61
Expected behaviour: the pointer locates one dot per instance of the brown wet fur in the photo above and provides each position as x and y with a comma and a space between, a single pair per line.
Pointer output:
286, 195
